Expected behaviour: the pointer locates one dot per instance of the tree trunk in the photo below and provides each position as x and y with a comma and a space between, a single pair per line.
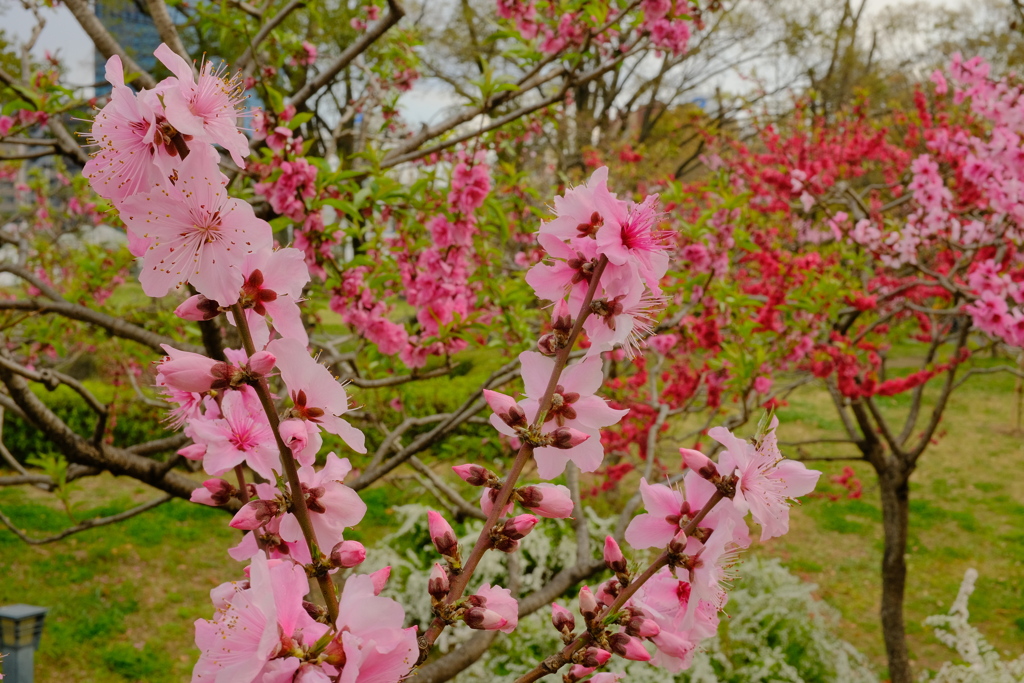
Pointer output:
895, 508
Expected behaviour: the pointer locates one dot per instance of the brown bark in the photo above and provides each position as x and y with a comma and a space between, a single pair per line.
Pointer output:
895, 491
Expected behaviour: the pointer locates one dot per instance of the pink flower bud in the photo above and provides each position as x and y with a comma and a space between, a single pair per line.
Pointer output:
194, 451
483, 619
699, 463
380, 579
505, 408
578, 671
487, 500
474, 475
613, 557
348, 554
642, 627
547, 500
678, 543
293, 433
499, 601
562, 618
255, 514
519, 526
442, 535
185, 371
262, 362
438, 584
588, 603
214, 492
566, 437
608, 591
628, 647
595, 657
196, 308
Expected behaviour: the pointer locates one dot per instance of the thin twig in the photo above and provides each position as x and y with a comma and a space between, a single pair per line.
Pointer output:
87, 524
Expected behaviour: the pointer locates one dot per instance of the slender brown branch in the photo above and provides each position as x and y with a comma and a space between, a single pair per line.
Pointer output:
298, 498
552, 664
361, 45
483, 542
79, 450
105, 43
166, 29
87, 524
275, 21
115, 326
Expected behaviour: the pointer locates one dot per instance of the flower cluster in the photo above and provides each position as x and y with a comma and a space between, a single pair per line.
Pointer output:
158, 165
699, 531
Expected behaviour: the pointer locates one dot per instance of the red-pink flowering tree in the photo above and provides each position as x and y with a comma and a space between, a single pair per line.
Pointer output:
834, 241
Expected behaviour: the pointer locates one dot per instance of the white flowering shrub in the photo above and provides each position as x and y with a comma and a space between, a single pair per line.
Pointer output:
776, 630
980, 661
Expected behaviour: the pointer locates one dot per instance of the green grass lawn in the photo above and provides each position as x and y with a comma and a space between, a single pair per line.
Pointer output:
124, 597
967, 510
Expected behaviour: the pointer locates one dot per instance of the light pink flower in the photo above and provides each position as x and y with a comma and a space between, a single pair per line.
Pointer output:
584, 209
332, 506
574, 406
767, 481
192, 231
272, 288
242, 434
207, 110
246, 633
128, 159
637, 243
376, 647
668, 512
317, 396
492, 609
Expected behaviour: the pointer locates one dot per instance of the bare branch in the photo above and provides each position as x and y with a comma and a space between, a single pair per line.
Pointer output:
115, 326
166, 28
395, 13
87, 524
400, 379
275, 21
78, 450
462, 507
106, 43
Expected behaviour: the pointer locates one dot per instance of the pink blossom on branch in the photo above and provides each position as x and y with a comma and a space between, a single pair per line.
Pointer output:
317, 397
766, 481
192, 231
208, 110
